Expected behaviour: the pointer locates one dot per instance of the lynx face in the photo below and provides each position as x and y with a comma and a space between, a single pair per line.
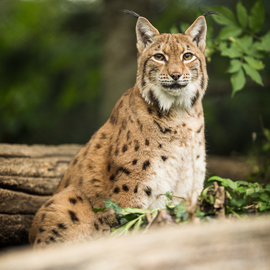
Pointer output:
172, 68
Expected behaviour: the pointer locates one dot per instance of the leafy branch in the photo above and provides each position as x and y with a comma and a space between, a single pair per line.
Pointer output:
241, 41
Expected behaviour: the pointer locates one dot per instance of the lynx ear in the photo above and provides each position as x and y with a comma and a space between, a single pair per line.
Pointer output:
197, 32
146, 33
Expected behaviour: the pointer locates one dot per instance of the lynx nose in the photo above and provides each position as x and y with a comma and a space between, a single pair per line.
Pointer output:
175, 75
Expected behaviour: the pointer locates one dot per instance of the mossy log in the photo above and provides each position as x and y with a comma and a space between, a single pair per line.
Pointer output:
30, 174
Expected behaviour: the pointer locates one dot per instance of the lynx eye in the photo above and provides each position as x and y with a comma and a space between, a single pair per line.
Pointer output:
187, 56
159, 57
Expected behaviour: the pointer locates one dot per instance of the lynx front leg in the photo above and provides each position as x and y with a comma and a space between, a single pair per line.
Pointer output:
66, 217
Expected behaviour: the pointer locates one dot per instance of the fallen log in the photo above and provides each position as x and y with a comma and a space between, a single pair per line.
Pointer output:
28, 177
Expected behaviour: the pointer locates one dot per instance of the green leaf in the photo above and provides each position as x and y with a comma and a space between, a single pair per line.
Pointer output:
231, 53
231, 184
254, 192
199, 213
235, 65
222, 46
259, 190
244, 43
238, 81
267, 187
226, 16
230, 31
215, 178
239, 183
168, 194
124, 220
256, 185
253, 195
254, 63
264, 206
203, 195
224, 182
242, 14
118, 231
253, 74
112, 205
98, 209
138, 224
130, 224
238, 203
256, 51
265, 42
181, 211
241, 189
257, 16
124, 229
130, 210
264, 197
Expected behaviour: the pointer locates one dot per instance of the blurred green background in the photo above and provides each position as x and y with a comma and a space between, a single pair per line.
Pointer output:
64, 64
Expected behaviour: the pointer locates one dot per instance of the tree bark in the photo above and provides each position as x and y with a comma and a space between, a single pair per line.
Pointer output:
28, 177
119, 61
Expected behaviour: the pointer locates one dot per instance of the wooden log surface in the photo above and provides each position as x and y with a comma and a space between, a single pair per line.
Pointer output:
28, 177
30, 174
212, 245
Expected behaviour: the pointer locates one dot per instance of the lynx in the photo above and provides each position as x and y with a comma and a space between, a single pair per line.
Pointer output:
152, 143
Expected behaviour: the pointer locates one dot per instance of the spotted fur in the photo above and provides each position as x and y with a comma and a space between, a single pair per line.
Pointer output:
152, 143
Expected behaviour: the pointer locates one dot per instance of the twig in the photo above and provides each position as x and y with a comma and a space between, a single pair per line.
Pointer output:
250, 206
150, 220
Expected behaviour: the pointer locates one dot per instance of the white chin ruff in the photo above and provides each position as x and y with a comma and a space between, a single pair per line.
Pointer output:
178, 98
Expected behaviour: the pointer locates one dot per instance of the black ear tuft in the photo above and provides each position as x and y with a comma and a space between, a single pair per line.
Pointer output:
130, 12
210, 13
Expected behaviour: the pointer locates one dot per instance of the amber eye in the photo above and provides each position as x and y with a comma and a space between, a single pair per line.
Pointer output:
159, 57
187, 56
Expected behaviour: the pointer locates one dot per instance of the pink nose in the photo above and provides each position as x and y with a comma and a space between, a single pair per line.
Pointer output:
175, 75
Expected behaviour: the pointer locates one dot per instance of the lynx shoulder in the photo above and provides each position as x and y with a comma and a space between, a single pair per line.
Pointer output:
152, 143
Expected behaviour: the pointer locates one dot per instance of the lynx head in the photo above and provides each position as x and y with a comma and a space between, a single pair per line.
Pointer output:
171, 67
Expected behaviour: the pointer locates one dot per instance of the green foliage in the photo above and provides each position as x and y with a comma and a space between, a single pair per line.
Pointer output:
241, 198
129, 217
109, 204
44, 71
240, 40
179, 211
